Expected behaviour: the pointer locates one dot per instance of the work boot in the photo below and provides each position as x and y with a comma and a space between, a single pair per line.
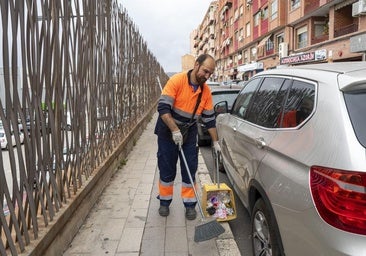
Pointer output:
164, 210
191, 213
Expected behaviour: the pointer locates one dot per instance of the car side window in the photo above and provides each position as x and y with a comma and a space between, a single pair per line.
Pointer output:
266, 107
243, 99
299, 104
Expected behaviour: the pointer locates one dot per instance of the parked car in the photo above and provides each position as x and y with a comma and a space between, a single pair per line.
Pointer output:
218, 94
242, 83
293, 147
5, 144
212, 83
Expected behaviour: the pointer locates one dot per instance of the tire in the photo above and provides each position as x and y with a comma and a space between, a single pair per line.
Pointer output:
264, 238
202, 143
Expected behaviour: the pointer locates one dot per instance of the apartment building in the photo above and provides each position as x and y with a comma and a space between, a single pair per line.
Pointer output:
248, 36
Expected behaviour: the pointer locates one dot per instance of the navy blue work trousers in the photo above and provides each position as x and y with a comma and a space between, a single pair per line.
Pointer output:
168, 154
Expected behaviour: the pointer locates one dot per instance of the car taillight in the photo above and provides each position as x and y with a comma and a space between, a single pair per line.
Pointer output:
340, 197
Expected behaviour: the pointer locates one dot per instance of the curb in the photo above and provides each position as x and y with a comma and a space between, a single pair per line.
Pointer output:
225, 243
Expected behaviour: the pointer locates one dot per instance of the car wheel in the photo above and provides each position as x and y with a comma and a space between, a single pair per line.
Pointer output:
201, 142
264, 238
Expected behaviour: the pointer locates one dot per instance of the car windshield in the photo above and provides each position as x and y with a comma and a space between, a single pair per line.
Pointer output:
356, 104
229, 96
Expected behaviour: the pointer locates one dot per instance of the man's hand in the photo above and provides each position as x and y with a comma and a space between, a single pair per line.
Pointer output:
216, 147
177, 138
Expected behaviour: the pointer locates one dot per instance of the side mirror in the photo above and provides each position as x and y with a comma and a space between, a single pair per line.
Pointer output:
221, 107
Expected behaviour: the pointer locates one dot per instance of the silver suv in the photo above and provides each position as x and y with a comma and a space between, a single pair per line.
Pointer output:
293, 146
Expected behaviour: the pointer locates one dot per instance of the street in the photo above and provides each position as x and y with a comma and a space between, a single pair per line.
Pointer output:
241, 225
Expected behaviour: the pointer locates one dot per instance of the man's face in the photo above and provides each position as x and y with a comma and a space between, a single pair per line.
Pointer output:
205, 70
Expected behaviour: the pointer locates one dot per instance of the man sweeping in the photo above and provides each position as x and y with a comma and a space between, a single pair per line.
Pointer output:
184, 97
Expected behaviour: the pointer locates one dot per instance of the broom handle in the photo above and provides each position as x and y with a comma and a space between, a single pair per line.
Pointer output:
191, 180
217, 169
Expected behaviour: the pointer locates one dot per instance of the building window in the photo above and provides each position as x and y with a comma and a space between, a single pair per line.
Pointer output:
236, 15
257, 17
302, 37
246, 59
253, 52
280, 39
265, 13
274, 9
241, 35
295, 4
247, 28
320, 28
269, 44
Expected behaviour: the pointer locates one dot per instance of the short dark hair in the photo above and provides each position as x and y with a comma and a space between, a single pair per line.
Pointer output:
203, 57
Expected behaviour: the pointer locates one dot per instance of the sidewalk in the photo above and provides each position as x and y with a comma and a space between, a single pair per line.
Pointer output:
125, 220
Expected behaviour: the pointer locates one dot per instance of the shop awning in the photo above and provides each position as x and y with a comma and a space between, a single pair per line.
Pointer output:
343, 4
250, 67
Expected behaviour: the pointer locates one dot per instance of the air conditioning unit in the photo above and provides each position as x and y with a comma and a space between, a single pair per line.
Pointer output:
283, 50
359, 8
240, 38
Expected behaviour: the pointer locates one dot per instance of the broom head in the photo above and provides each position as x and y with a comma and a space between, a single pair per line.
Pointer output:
207, 230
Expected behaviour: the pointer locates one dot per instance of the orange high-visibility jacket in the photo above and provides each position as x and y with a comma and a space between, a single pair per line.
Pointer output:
179, 98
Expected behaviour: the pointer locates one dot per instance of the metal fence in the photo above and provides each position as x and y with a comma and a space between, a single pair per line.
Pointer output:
75, 78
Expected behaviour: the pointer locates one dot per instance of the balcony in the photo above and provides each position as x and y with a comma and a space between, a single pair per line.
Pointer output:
319, 39
269, 52
345, 30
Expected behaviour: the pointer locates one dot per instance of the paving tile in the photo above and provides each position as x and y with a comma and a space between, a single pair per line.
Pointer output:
147, 178
154, 233
152, 247
141, 201
174, 234
130, 240
112, 229
137, 218
144, 189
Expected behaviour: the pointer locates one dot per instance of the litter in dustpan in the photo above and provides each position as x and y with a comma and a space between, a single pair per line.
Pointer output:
219, 202
218, 199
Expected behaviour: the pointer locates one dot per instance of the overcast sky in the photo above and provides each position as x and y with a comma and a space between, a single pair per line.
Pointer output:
166, 26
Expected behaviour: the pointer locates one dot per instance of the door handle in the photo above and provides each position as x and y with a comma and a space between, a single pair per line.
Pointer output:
260, 142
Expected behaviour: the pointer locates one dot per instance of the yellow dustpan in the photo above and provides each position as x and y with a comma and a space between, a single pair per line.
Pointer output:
218, 198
